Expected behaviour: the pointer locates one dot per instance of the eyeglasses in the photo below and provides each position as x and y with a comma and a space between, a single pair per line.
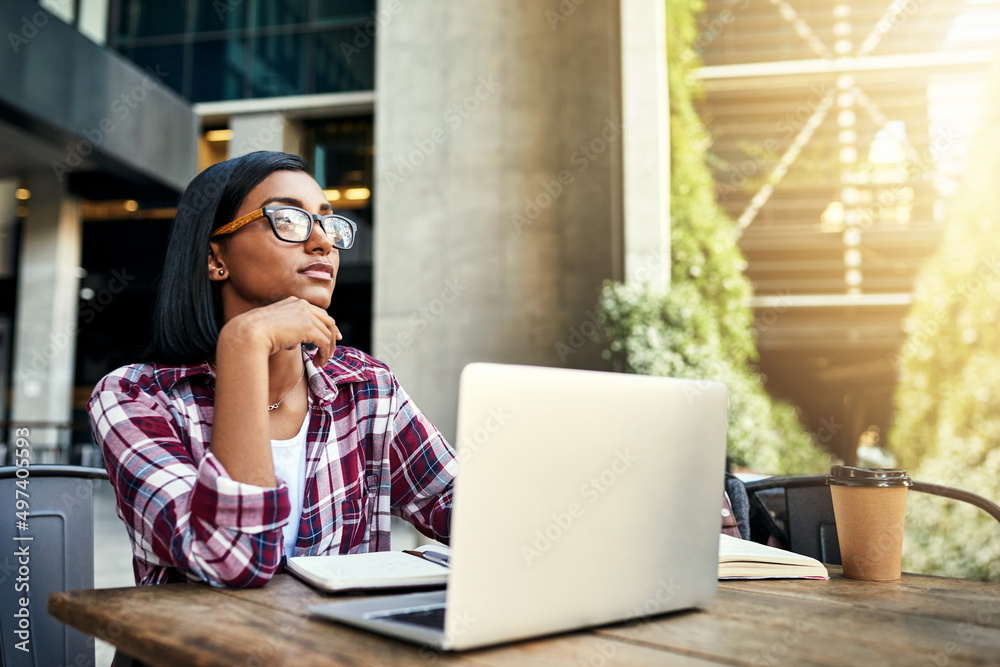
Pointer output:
294, 225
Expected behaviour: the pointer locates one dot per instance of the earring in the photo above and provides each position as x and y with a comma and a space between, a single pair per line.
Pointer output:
222, 272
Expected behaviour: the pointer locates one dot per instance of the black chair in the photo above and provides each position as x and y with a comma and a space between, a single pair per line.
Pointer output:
60, 557
805, 508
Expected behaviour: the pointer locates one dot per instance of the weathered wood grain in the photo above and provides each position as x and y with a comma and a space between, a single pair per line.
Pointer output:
917, 620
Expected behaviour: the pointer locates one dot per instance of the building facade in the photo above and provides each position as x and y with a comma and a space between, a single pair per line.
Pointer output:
498, 171
78, 124
839, 132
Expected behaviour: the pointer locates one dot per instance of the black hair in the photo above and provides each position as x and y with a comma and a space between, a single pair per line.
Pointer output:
187, 316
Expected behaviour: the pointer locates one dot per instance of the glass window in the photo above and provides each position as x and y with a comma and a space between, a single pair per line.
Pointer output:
280, 65
281, 12
220, 15
343, 62
338, 9
218, 70
142, 18
167, 60
255, 53
341, 156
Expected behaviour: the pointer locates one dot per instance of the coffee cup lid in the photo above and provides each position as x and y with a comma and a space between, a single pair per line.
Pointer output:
851, 476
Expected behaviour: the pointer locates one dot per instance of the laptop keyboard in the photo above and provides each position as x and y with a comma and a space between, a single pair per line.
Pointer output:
428, 618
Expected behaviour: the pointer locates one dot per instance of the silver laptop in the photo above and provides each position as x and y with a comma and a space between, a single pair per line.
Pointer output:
582, 498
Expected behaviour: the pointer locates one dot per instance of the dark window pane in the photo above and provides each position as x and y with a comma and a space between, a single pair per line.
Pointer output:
341, 153
281, 12
280, 65
218, 70
167, 61
344, 60
220, 15
145, 18
337, 9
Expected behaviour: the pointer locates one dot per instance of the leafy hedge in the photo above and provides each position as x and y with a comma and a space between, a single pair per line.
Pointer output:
947, 427
701, 327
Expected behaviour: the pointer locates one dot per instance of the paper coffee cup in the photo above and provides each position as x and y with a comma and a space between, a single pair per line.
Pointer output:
869, 506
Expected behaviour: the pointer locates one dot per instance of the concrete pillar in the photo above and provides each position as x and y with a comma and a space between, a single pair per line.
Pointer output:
46, 318
264, 132
499, 200
645, 142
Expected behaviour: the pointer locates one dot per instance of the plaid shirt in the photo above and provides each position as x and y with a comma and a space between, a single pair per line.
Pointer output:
369, 453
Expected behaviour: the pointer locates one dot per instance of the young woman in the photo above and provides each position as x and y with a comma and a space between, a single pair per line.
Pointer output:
249, 435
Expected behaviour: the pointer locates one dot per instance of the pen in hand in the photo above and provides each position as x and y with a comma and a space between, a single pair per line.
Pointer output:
432, 556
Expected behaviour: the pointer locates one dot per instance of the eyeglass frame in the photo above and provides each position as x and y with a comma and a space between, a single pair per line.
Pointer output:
269, 211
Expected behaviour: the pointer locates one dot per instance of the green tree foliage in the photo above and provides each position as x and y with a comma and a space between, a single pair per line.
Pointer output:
947, 427
701, 327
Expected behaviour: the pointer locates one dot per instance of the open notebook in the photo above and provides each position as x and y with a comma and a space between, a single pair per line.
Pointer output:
743, 559
738, 559
423, 567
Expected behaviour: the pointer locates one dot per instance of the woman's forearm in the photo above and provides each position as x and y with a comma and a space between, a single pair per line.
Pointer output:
240, 432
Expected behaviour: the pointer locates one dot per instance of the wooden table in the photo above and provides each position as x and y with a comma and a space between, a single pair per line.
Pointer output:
919, 620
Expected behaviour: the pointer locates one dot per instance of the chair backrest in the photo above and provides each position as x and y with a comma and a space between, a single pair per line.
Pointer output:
54, 553
808, 510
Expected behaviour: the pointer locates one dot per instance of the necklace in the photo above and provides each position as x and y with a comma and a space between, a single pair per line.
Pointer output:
275, 405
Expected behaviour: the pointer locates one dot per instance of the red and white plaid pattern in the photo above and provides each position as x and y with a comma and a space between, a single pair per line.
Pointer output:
370, 453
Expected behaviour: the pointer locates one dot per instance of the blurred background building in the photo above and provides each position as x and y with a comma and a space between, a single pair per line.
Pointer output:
839, 132
483, 118
499, 171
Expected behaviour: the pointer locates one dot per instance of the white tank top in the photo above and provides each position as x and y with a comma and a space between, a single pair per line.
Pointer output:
290, 465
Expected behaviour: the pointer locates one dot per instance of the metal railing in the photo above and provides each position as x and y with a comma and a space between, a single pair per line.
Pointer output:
52, 442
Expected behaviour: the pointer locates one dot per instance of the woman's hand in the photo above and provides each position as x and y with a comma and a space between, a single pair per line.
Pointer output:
244, 359
284, 325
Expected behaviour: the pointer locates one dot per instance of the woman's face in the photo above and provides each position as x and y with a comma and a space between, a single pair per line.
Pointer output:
259, 268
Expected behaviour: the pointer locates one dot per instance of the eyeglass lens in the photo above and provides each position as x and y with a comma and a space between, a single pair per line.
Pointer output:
295, 226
